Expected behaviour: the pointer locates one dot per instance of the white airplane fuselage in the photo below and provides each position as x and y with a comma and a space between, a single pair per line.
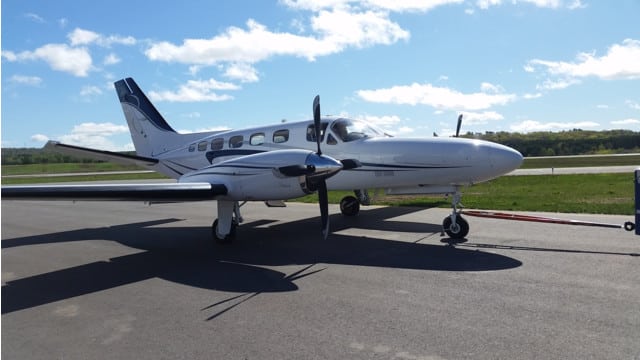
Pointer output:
400, 165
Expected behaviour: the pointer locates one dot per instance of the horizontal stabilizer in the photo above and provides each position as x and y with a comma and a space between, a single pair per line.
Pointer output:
103, 155
116, 192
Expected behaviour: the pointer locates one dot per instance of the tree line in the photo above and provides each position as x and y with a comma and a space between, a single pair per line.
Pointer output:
573, 142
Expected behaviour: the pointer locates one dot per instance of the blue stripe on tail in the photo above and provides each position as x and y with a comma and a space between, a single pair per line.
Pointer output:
130, 93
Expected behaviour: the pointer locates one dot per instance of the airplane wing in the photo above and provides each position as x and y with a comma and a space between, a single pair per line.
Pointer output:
104, 155
117, 192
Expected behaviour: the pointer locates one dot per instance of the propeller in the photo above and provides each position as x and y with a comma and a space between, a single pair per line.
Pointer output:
316, 121
318, 168
459, 124
323, 196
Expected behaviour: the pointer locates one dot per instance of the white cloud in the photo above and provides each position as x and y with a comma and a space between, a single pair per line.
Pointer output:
39, 138
111, 59
622, 61
532, 96
94, 135
576, 4
557, 84
402, 130
242, 72
485, 4
491, 88
61, 57
35, 18
553, 4
335, 30
86, 37
633, 105
473, 118
626, 122
194, 91
192, 115
209, 129
387, 5
384, 120
26, 80
340, 29
532, 125
437, 97
90, 90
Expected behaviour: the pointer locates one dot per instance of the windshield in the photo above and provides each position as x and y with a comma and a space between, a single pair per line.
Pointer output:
350, 130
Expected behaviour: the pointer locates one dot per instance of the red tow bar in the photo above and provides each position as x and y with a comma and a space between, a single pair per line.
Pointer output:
629, 226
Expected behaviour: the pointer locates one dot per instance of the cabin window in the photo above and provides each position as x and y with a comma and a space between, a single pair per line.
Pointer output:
257, 139
281, 136
192, 147
236, 142
331, 140
217, 144
202, 145
311, 132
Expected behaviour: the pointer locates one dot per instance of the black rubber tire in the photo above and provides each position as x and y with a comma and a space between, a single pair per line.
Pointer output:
349, 206
456, 232
227, 239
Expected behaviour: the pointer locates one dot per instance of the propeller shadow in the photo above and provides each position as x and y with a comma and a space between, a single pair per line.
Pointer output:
187, 256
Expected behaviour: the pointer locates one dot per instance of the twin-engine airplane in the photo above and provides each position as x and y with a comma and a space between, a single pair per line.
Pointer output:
283, 161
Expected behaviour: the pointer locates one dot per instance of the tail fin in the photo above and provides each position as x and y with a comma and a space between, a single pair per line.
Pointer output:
150, 132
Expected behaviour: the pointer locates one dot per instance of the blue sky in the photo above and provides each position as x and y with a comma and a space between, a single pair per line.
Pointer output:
410, 66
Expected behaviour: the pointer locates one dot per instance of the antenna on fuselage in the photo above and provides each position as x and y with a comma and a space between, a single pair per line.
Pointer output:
459, 125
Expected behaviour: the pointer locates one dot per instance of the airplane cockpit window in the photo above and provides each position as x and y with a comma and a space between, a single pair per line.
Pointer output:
202, 145
192, 147
311, 132
350, 130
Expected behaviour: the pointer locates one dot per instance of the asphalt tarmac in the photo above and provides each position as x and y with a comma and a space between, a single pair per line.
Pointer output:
122, 280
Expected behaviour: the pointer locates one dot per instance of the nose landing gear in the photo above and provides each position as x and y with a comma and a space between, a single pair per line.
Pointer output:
455, 225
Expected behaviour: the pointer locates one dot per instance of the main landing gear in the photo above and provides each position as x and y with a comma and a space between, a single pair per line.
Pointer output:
350, 205
455, 225
224, 227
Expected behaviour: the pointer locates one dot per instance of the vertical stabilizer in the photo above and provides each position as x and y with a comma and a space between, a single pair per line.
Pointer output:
150, 133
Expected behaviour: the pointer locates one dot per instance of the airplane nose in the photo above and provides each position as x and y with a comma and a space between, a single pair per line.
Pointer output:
505, 159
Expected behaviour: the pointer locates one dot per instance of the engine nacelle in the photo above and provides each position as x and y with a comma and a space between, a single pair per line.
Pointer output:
273, 175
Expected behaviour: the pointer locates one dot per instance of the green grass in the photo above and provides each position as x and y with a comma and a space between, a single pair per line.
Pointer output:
79, 178
580, 161
32, 169
589, 193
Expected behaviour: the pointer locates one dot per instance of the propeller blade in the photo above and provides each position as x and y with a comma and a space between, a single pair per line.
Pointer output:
323, 200
459, 124
348, 164
316, 120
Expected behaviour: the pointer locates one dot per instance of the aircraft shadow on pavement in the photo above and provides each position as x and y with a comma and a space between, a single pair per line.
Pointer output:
186, 255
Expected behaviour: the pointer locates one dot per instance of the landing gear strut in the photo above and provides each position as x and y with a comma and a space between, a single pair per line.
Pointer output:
455, 225
224, 227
